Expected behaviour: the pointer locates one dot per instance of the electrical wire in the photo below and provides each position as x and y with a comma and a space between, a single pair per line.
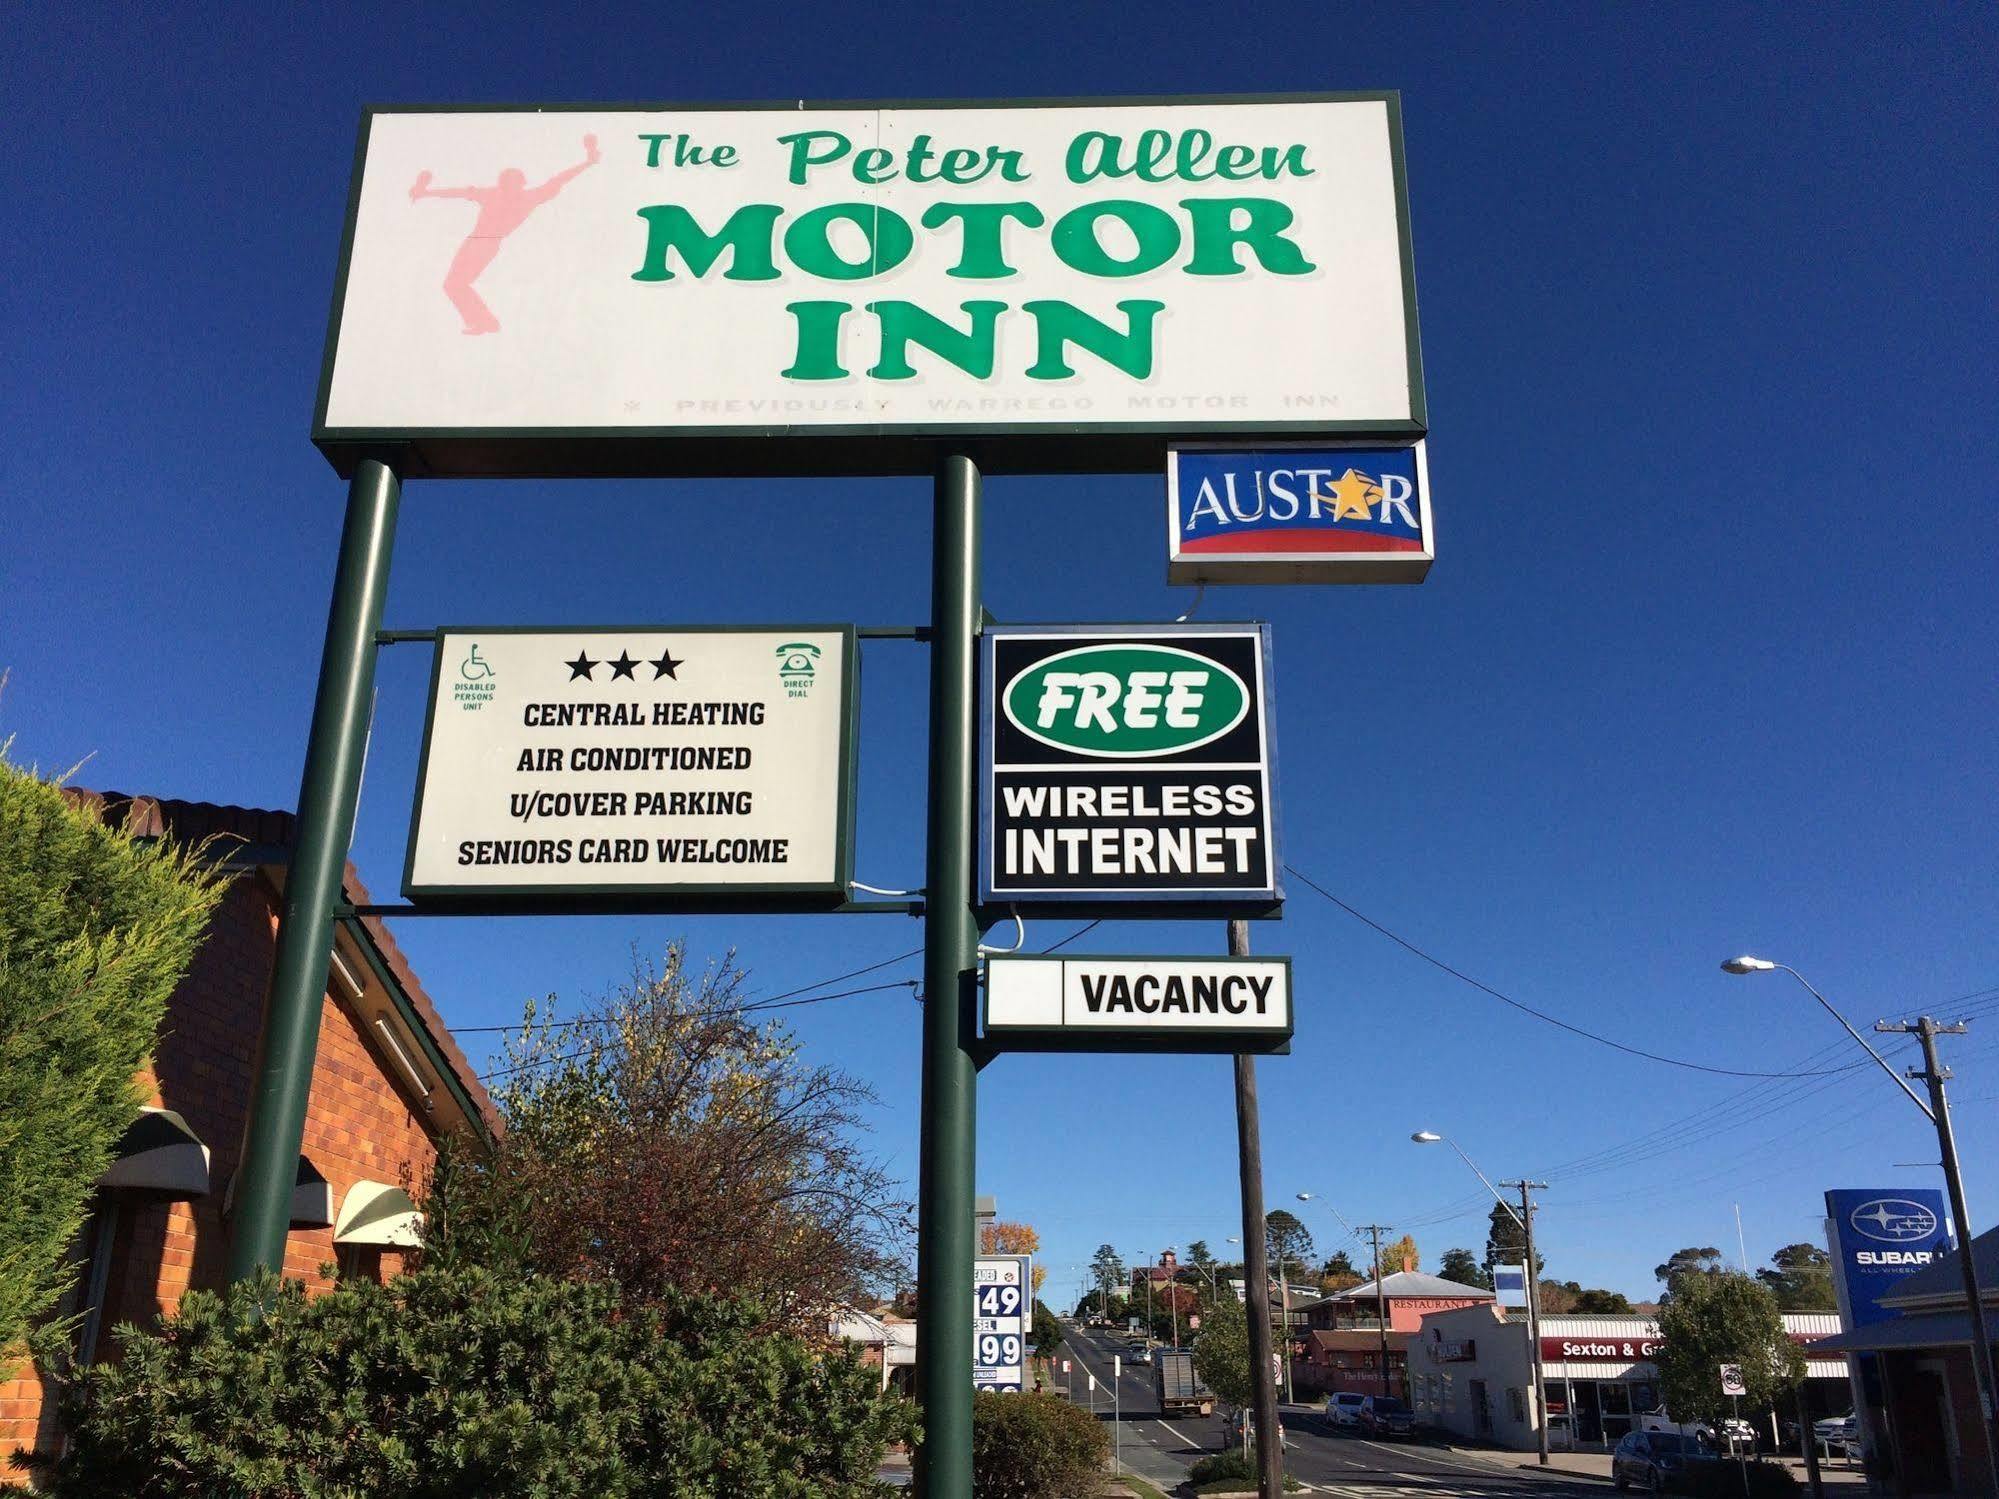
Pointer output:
1527, 1009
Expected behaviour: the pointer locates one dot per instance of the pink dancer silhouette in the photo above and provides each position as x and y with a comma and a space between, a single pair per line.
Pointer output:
503, 208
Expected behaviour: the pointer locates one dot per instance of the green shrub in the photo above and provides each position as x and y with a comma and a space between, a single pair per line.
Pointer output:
460, 1382
1035, 1447
96, 929
1222, 1465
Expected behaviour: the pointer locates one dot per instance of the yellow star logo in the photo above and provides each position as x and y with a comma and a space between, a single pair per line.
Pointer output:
1350, 496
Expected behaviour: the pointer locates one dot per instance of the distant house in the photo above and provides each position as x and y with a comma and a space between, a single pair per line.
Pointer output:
388, 1084
1342, 1345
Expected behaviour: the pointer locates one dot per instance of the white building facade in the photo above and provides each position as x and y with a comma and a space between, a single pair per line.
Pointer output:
1471, 1375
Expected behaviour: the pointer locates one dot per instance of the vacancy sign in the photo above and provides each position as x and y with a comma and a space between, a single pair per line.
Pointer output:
559, 289
1316, 514
1002, 1315
626, 762
1050, 1002
1127, 764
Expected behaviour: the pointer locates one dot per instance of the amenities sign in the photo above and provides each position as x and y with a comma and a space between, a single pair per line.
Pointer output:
1002, 1314
1127, 764
675, 288
1037, 1002
624, 762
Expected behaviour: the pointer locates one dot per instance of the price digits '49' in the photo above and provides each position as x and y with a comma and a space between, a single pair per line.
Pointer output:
998, 1350
999, 1301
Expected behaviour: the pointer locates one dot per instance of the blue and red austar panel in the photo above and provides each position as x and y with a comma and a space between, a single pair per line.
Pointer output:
1318, 514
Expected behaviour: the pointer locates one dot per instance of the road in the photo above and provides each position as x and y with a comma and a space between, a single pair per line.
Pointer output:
1161, 1450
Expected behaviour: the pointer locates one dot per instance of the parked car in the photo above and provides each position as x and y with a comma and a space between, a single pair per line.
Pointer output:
1655, 1461
1343, 1411
1839, 1434
1385, 1416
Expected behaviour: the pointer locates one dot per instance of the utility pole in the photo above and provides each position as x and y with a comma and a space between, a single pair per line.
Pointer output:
1935, 1074
1533, 1277
1375, 1231
1256, 1261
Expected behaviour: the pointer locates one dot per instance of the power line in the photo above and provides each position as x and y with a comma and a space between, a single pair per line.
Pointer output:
1527, 1009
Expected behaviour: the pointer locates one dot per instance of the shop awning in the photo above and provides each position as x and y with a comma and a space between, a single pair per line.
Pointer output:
375, 1213
160, 1157
1937, 1330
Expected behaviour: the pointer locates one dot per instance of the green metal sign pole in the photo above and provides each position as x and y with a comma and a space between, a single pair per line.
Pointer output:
326, 801
944, 1246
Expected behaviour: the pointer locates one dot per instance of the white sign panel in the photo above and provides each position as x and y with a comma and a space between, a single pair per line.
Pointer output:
1509, 1284
1090, 1003
1002, 1317
618, 762
1731, 1380
517, 281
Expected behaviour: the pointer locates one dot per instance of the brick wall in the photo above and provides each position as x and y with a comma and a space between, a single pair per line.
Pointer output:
360, 1126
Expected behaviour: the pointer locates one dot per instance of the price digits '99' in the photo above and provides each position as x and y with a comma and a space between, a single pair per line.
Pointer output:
998, 1350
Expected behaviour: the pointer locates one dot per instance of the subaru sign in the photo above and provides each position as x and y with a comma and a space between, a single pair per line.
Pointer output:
1878, 1238
1298, 514
1127, 764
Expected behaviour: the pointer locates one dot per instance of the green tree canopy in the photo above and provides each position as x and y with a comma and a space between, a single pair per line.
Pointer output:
1722, 1317
1221, 1353
96, 930
1800, 1277
1593, 1301
1047, 1332
1199, 1257
1107, 1269
1394, 1253
1685, 1263
1288, 1243
1462, 1266
1505, 1244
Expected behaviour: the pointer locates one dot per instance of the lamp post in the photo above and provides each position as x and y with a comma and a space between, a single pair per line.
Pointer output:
1937, 1110
1173, 1293
1524, 1217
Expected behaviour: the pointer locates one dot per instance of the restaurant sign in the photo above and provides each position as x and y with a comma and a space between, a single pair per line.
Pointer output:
711, 765
570, 289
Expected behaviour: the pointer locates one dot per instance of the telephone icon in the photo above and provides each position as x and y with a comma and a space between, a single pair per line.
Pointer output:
795, 658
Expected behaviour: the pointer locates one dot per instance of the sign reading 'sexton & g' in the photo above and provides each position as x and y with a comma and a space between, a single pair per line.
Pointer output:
605, 762
1127, 764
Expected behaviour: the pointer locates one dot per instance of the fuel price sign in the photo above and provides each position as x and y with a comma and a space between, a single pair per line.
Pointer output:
1002, 1312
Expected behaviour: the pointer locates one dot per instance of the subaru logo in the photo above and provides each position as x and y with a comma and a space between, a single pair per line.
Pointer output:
1893, 1220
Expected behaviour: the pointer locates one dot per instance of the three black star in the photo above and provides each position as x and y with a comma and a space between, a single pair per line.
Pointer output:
665, 666
622, 667
582, 666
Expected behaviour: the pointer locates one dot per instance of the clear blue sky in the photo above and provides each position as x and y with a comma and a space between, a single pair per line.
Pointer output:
1706, 663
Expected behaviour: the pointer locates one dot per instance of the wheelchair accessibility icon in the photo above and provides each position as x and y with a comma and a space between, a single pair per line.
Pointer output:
472, 669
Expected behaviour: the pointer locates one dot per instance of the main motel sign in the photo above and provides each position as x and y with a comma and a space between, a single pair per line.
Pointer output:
580, 289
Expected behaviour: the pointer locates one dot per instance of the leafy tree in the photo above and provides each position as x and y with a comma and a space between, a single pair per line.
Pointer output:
96, 930
1338, 1273
469, 1382
1800, 1277
1685, 1263
1721, 1317
1033, 1447
1013, 1238
1107, 1267
1221, 1353
1288, 1243
1462, 1266
665, 1140
1199, 1257
1046, 1334
1596, 1302
1505, 1244
1393, 1255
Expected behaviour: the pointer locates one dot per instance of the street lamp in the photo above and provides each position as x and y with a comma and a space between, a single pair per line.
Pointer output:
1525, 1219
1173, 1292
1937, 1110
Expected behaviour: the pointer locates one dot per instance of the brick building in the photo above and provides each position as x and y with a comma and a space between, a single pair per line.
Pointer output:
388, 1083
1341, 1346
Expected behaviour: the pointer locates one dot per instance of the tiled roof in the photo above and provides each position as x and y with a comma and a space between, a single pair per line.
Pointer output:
270, 836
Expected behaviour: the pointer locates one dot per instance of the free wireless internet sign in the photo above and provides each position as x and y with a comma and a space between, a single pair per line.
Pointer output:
1127, 764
